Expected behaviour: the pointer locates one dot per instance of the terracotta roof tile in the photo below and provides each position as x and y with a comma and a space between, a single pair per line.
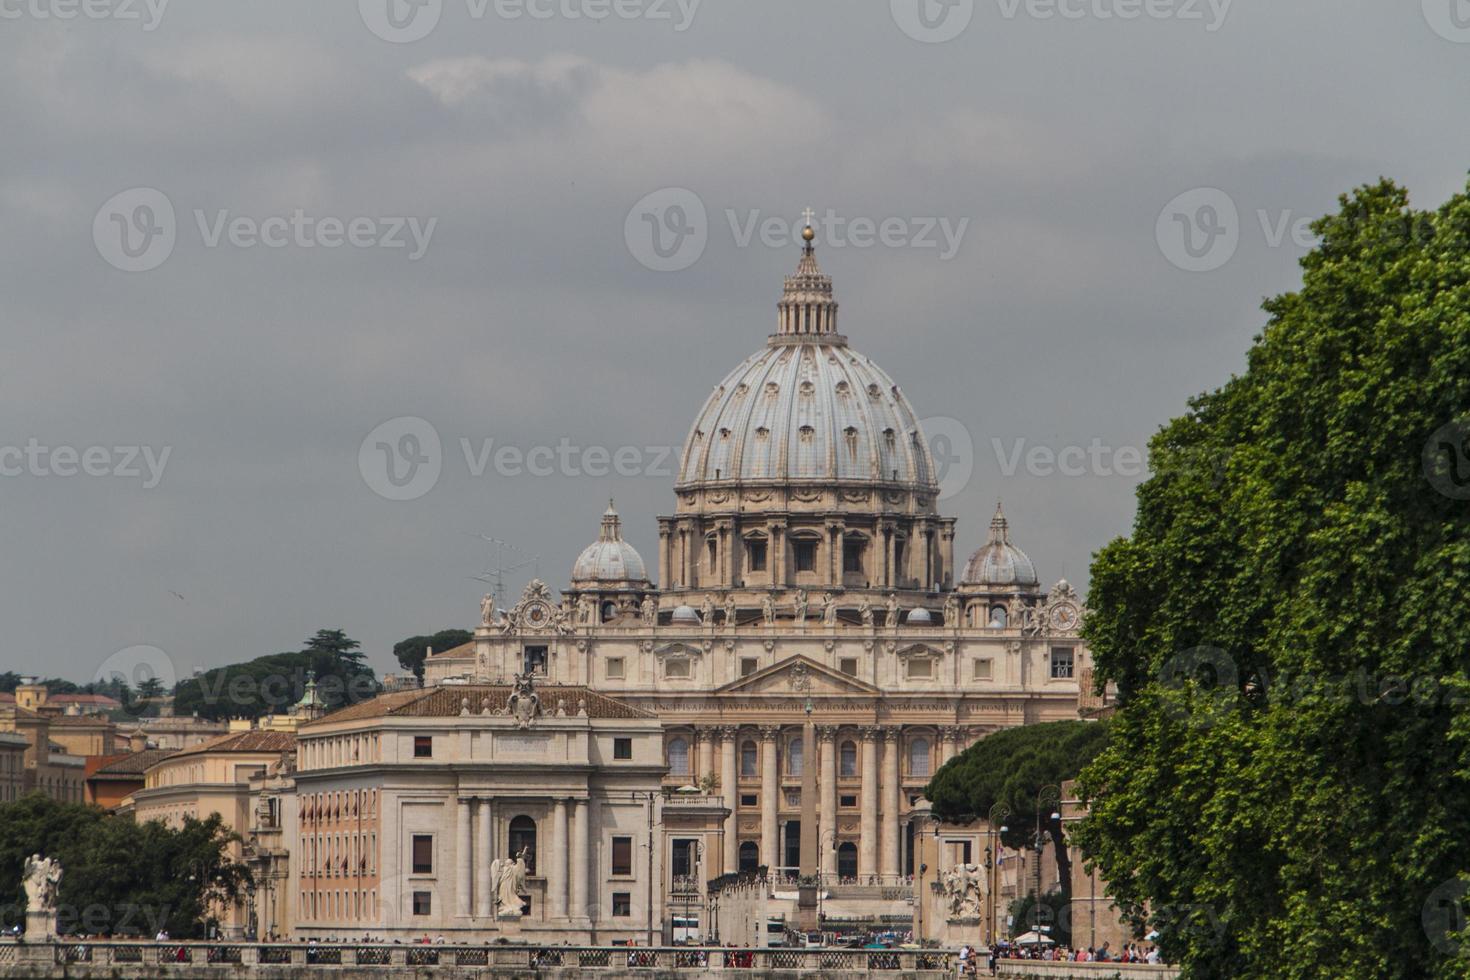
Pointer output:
251, 741
463, 650
445, 701
134, 764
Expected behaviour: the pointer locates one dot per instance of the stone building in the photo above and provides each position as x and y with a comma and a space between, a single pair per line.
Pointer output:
412, 807
46, 764
13, 749
811, 649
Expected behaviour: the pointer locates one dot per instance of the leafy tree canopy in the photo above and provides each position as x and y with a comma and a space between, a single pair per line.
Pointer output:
1284, 791
412, 652
271, 684
118, 876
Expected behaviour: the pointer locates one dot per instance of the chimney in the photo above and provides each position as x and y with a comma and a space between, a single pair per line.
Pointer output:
137, 741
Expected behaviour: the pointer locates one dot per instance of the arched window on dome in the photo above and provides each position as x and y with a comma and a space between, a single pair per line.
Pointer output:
847, 759
854, 554
756, 552
997, 617
748, 759
678, 756
919, 757
609, 611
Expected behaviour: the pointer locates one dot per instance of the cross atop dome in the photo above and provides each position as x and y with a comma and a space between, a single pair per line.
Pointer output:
807, 308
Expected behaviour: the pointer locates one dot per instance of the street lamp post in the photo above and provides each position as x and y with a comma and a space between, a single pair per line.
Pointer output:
998, 812
1048, 794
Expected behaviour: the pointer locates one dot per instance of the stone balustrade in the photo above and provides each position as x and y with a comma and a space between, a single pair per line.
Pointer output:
1046, 970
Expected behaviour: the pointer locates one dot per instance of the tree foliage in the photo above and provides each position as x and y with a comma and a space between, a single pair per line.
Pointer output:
1011, 767
1284, 790
273, 683
118, 876
412, 652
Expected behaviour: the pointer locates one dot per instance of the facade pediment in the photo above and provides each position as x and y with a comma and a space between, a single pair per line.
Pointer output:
799, 675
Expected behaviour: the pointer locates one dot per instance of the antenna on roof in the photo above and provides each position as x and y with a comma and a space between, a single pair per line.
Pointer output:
495, 576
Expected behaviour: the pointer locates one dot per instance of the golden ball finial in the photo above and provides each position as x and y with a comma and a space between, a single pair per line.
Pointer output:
808, 233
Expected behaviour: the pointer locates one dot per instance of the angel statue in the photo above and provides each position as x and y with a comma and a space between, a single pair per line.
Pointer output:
42, 878
509, 876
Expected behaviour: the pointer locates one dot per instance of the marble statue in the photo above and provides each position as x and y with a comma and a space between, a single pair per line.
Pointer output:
42, 879
829, 610
730, 610
487, 611
707, 610
865, 610
509, 876
649, 612
768, 610
801, 604
961, 885
892, 610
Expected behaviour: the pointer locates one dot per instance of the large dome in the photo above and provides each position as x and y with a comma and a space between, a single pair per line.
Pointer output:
807, 407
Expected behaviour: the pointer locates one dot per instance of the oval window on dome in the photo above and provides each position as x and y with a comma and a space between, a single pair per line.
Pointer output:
762, 434
843, 388
806, 433
807, 389
874, 392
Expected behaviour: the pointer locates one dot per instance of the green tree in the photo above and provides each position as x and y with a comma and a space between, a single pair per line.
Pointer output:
1284, 791
1012, 766
273, 683
412, 652
336, 643
119, 876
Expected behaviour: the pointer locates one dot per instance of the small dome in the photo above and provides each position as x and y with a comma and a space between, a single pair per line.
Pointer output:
609, 558
685, 616
919, 617
998, 563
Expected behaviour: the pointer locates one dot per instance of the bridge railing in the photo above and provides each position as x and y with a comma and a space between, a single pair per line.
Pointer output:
196, 958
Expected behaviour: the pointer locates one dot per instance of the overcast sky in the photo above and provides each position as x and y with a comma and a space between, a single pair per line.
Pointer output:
1032, 291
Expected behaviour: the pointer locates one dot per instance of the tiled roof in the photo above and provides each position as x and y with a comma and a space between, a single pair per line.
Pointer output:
89, 720
463, 650
447, 700
134, 764
251, 741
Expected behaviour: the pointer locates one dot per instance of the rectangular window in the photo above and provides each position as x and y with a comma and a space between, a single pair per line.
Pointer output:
683, 858
534, 660
756, 552
423, 746
1061, 663
622, 856
622, 904
981, 668
848, 665
421, 903
423, 854
962, 851
805, 553
614, 668
852, 555
623, 748
749, 799
920, 669
748, 666
676, 667
847, 801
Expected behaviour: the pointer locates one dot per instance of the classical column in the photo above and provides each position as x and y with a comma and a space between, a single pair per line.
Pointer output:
947, 749
665, 556
776, 560
730, 790
556, 874
888, 863
483, 905
581, 859
769, 789
827, 835
705, 739
868, 826
463, 868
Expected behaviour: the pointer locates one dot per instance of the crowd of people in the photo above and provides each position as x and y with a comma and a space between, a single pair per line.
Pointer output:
1130, 953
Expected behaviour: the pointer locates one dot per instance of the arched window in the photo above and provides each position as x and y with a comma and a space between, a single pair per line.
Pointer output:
747, 759
678, 757
847, 859
997, 618
848, 759
793, 756
919, 757
523, 835
750, 855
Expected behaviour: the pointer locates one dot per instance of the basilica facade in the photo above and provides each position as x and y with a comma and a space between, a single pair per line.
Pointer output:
810, 647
